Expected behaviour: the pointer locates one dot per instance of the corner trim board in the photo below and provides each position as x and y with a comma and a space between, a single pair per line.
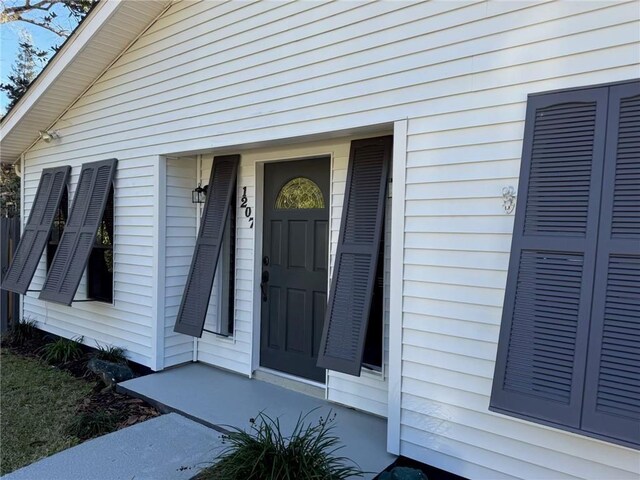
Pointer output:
399, 164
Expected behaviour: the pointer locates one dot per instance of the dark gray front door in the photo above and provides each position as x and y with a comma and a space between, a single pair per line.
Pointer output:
294, 265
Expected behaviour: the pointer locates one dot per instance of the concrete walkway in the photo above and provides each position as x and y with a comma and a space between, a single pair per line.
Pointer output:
178, 445
167, 447
222, 400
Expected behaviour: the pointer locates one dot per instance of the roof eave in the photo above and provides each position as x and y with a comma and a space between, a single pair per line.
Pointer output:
19, 128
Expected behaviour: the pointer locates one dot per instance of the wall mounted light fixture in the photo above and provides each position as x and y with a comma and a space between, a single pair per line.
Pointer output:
199, 194
48, 135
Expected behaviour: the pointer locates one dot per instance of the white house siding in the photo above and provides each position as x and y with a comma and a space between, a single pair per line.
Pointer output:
211, 75
127, 322
180, 240
462, 150
232, 353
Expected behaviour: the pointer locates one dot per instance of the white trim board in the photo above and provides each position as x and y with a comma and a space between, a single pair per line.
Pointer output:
396, 283
159, 253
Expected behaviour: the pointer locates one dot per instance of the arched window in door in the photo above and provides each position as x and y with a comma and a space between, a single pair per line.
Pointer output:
300, 193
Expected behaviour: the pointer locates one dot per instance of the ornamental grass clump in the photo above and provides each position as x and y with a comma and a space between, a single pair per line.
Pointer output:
22, 331
93, 424
110, 353
264, 453
62, 350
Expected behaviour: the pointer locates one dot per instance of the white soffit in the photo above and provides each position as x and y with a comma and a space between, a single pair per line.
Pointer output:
109, 29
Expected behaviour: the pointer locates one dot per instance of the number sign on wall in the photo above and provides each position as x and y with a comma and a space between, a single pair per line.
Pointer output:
247, 208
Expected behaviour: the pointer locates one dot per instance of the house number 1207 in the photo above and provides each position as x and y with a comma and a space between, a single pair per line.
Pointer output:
247, 209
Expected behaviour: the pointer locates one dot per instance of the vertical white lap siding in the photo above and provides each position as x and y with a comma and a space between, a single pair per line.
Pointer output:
127, 322
213, 75
180, 241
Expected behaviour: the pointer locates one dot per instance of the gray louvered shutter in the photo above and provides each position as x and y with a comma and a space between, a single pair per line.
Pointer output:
80, 232
195, 299
347, 317
544, 331
612, 388
53, 181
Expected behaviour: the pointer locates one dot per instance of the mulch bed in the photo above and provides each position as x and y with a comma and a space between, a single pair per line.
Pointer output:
102, 398
131, 410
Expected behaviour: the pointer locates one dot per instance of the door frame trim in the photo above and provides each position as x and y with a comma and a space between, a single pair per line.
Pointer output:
257, 243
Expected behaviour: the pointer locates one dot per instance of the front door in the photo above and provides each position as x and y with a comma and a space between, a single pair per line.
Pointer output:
294, 265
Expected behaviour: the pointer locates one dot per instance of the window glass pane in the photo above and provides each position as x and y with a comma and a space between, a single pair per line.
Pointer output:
300, 193
59, 221
100, 268
220, 314
100, 275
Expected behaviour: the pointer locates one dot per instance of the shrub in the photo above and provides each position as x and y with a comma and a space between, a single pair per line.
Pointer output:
62, 350
110, 353
93, 424
22, 331
265, 453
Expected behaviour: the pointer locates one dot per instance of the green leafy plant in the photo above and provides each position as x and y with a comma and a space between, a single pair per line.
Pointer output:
93, 424
110, 353
265, 453
62, 350
22, 331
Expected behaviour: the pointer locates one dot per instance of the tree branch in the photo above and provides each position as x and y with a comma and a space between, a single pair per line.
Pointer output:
17, 10
16, 13
58, 31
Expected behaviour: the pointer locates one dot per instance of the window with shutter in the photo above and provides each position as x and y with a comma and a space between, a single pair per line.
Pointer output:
353, 280
215, 218
81, 229
568, 352
49, 196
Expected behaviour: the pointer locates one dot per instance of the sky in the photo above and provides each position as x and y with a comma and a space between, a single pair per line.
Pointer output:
42, 39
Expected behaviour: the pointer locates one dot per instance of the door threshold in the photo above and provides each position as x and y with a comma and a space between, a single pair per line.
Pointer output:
291, 382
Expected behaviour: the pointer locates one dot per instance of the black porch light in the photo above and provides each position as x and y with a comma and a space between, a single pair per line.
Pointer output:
199, 194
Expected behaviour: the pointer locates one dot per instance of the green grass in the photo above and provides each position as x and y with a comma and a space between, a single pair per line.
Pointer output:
37, 405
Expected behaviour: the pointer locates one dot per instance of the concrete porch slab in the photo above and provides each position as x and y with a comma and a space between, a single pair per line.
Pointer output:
222, 399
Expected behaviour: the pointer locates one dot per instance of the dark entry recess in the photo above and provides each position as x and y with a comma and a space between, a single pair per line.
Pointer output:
294, 265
